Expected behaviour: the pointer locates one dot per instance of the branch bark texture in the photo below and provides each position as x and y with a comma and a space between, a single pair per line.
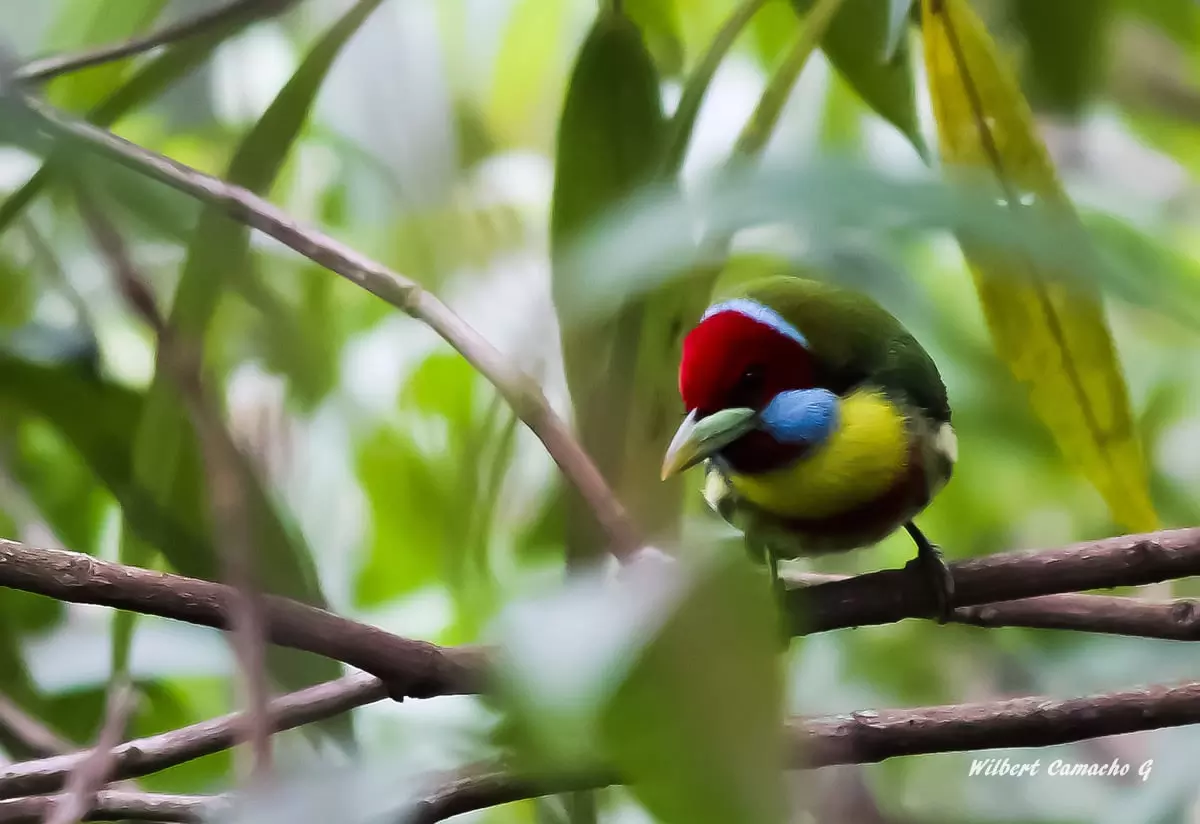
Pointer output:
413, 669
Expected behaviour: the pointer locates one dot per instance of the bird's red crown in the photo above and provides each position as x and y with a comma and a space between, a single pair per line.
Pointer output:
741, 354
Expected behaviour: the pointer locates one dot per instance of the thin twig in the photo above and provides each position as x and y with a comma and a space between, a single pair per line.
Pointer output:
33, 735
144, 756
96, 767
761, 125
894, 594
518, 389
1176, 619
46, 68
118, 805
44, 255
223, 466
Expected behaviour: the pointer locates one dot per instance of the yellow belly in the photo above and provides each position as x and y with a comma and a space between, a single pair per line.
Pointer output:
859, 462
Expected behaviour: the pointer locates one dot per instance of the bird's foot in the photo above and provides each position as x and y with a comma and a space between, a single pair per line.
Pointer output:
931, 566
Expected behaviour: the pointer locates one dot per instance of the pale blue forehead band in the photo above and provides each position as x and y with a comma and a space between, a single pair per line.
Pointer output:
757, 312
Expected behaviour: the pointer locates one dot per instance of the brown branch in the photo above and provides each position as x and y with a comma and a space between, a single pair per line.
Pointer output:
479, 789
35, 737
426, 670
47, 68
517, 388
411, 668
223, 465
95, 768
894, 594
144, 756
114, 805
869, 737
418, 669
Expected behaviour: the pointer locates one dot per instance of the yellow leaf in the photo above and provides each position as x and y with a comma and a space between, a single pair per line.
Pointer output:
1048, 328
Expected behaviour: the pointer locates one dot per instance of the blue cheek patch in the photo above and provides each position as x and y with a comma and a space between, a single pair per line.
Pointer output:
801, 416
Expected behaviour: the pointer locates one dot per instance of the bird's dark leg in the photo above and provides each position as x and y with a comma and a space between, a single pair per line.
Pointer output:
932, 567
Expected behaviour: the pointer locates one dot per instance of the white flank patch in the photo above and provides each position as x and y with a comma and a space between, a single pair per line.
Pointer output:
715, 489
946, 443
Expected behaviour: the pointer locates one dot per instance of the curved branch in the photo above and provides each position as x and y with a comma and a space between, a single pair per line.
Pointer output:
518, 389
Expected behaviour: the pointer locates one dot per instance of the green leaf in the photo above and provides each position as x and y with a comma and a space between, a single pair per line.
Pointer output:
1179, 19
659, 21
1048, 328
527, 68
610, 139
17, 285
668, 674
218, 255
430, 508
697, 725
1066, 40
151, 80
96, 418
857, 44
82, 24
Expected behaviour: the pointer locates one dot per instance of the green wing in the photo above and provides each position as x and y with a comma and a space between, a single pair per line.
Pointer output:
855, 340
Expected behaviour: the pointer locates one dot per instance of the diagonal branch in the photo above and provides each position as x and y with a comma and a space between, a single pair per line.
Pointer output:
143, 756
33, 735
517, 388
414, 669
47, 68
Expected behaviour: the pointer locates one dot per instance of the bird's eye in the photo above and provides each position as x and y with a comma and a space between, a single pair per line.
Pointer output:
751, 379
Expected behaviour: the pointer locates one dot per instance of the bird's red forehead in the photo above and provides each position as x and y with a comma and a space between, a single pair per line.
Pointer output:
731, 339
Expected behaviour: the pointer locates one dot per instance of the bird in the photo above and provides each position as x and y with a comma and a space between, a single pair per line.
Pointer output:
823, 425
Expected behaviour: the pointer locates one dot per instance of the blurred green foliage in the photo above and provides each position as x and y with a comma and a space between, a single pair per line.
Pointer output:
395, 486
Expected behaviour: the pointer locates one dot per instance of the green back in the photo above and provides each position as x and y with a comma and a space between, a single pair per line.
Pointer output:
855, 340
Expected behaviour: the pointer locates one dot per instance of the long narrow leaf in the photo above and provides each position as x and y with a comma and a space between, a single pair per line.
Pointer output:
1049, 329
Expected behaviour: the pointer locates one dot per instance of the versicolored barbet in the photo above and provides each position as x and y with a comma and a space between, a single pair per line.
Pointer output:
823, 424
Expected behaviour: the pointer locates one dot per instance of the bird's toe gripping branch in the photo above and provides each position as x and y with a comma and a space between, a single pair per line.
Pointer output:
931, 566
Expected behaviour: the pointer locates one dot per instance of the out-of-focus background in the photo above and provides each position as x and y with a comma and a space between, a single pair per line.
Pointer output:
425, 507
